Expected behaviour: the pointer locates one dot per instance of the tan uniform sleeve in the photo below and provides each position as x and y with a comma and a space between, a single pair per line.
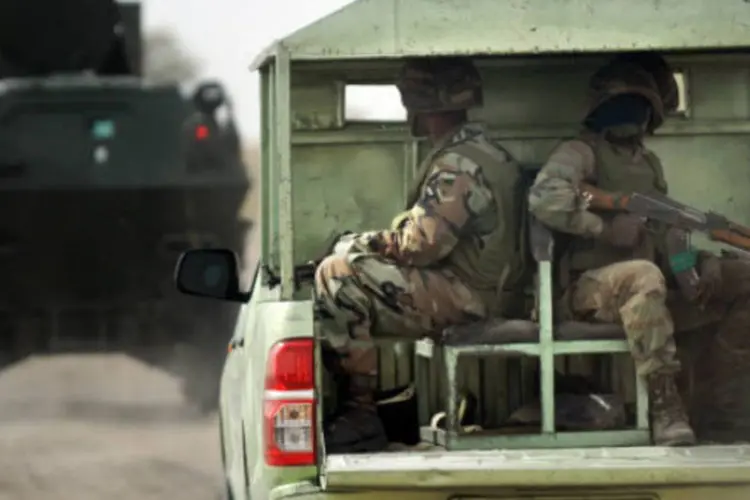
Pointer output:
554, 198
456, 201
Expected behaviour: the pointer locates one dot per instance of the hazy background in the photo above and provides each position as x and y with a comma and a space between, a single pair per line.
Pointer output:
94, 426
224, 36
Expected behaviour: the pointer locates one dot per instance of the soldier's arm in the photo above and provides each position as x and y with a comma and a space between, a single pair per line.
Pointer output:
554, 198
454, 195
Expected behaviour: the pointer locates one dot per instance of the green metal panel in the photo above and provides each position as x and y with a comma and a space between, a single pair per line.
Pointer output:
267, 210
396, 28
508, 472
355, 186
273, 320
282, 161
317, 105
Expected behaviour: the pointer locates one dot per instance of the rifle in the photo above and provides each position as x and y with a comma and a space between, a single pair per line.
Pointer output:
681, 220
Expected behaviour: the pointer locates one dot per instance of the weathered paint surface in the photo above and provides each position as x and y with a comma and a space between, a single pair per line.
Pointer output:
543, 468
395, 28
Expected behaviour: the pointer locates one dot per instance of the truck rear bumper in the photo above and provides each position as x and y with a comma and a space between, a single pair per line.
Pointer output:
297, 491
691, 492
652, 467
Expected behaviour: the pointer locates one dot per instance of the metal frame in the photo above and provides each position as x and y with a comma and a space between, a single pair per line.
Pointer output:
452, 438
283, 153
266, 169
276, 177
382, 29
397, 133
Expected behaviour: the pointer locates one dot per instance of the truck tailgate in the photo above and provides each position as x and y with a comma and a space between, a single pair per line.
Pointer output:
643, 466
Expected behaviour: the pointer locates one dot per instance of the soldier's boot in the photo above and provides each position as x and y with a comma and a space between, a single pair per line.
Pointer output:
356, 428
669, 422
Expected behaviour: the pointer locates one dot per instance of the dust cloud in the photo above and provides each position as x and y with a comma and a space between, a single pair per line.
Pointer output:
103, 426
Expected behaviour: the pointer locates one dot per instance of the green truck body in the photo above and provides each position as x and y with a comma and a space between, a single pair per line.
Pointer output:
324, 171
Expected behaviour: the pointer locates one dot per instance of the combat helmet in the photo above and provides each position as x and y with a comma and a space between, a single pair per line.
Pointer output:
619, 78
660, 71
439, 84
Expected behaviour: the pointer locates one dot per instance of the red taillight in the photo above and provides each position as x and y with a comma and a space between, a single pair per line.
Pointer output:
290, 366
289, 410
201, 132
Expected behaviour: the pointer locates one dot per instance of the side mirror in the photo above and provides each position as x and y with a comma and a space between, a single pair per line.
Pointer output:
211, 273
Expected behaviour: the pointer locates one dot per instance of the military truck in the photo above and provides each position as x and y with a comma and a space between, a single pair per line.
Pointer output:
324, 172
104, 180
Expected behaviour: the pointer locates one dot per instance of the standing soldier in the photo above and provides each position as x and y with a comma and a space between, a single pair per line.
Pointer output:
448, 259
607, 269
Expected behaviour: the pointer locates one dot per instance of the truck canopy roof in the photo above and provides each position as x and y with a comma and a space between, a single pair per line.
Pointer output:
368, 29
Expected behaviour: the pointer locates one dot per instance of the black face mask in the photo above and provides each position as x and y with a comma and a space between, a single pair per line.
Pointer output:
625, 109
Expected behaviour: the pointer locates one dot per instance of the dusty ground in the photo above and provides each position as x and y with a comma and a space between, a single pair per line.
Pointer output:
96, 427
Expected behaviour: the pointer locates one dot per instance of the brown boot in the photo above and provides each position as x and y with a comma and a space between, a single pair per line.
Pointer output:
356, 428
669, 422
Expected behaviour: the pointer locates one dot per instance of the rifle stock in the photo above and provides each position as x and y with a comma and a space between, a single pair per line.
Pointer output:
661, 208
730, 238
604, 200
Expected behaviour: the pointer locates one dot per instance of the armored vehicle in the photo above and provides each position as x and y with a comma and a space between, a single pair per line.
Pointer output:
104, 180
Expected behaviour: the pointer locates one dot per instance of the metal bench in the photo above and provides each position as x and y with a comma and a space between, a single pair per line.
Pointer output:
543, 340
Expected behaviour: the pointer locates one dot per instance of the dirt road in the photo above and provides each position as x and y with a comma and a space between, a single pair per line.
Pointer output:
102, 427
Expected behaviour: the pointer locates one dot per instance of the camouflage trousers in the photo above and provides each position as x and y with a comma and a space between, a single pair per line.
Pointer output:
714, 344
634, 294
359, 296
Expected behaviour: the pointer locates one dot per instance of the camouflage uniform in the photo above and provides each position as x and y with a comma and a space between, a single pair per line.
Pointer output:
610, 280
441, 262
717, 360
720, 352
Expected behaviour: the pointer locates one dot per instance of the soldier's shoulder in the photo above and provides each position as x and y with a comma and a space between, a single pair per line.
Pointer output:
477, 151
575, 151
583, 143
454, 159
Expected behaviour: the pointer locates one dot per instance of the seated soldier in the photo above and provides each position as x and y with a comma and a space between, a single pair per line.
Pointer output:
445, 261
607, 268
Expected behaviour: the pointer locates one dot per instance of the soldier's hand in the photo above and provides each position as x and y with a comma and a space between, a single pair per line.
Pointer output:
623, 231
709, 272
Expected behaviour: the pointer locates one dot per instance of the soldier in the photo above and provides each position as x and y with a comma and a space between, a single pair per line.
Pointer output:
607, 269
448, 259
722, 298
